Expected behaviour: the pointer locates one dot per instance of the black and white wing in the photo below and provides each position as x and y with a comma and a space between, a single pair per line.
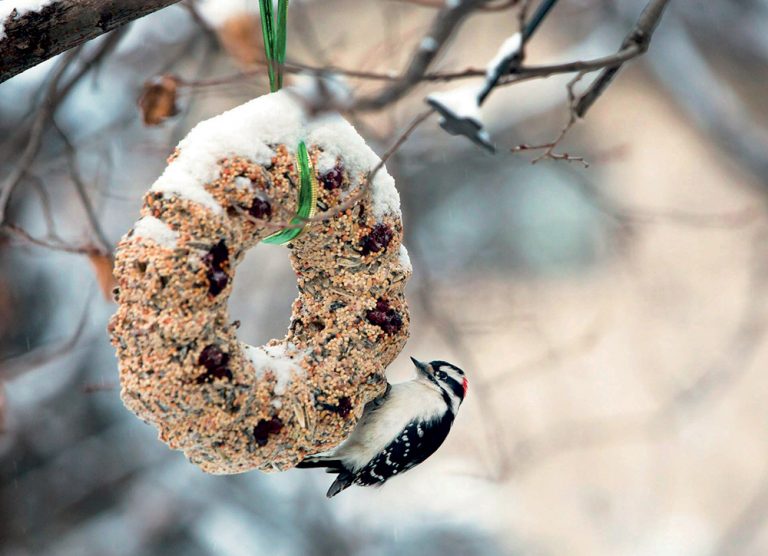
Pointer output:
413, 445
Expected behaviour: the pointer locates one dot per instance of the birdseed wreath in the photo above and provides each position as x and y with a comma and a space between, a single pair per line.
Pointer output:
229, 406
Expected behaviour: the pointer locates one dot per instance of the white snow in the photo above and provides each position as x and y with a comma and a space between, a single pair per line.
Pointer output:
22, 7
248, 129
386, 199
325, 163
462, 102
282, 360
217, 12
322, 89
241, 182
428, 43
405, 259
156, 230
338, 138
508, 49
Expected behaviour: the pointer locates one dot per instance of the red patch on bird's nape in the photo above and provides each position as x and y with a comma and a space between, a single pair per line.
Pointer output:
465, 384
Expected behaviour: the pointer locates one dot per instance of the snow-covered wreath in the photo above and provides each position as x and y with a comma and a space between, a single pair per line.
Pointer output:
229, 406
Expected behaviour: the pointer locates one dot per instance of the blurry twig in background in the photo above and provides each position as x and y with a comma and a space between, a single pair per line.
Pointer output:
499, 7
53, 244
94, 387
534, 450
748, 524
547, 361
444, 25
80, 188
2, 407
631, 215
45, 203
716, 106
37, 129
194, 13
13, 367
737, 353
54, 97
743, 343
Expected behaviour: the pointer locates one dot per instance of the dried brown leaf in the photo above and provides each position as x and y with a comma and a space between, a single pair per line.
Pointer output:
241, 37
158, 99
102, 267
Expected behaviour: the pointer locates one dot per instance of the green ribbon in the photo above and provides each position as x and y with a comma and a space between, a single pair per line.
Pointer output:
307, 199
274, 32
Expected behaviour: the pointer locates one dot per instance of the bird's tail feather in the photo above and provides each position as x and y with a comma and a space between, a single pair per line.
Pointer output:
331, 465
344, 477
344, 480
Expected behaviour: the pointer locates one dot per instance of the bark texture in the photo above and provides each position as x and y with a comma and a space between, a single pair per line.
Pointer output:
36, 36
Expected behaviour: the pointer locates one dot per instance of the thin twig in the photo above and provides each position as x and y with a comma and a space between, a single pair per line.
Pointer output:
634, 44
747, 525
640, 38
716, 107
53, 98
19, 232
549, 148
80, 188
445, 24
45, 201
522, 73
500, 7
47, 107
15, 366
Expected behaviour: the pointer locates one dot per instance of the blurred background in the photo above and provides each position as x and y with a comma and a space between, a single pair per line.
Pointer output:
611, 318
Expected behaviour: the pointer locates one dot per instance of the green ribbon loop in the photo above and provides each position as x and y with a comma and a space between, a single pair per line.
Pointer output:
307, 199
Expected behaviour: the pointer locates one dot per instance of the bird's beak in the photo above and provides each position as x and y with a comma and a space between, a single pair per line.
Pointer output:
423, 368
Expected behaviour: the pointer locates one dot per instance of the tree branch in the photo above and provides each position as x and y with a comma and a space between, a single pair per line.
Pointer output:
639, 38
505, 5
36, 36
523, 73
634, 44
445, 24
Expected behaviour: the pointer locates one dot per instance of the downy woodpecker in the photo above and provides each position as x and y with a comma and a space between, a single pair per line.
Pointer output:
398, 430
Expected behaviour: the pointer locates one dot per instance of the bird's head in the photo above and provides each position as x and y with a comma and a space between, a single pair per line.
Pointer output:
444, 375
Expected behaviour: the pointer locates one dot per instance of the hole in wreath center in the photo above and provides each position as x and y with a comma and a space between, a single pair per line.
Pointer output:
262, 294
